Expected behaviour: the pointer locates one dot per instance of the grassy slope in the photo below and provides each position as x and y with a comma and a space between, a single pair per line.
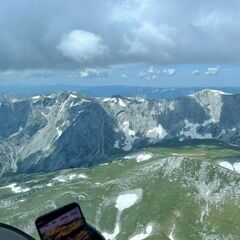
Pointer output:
171, 194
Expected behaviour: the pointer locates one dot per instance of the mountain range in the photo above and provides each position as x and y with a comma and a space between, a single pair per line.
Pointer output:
22, 91
62, 130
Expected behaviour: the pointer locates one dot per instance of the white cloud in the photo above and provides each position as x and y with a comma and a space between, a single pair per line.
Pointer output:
169, 72
212, 71
93, 72
133, 47
142, 74
151, 73
196, 72
151, 70
82, 46
130, 11
148, 40
213, 20
121, 32
154, 73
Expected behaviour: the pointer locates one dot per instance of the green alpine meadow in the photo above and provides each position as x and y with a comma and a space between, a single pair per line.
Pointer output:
171, 191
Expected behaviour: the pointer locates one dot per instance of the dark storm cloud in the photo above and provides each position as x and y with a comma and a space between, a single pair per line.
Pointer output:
72, 34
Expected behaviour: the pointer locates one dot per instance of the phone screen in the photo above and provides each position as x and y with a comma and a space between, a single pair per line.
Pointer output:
66, 223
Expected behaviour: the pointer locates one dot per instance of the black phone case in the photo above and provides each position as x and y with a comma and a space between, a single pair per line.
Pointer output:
44, 219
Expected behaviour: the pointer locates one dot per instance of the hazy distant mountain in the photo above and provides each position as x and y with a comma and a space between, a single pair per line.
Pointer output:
65, 130
104, 91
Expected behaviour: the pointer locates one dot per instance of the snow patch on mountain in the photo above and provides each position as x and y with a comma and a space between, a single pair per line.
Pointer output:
36, 97
122, 103
156, 133
190, 130
73, 96
45, 115
218, 92
17, 189
86, 100
15, 100
116, 100
129, 134
172, 232
143, 235
69, 177
141, 99
226, 165
112, 236
140, 157
124, 201
235, 166
106, 99
59, 132
209, 91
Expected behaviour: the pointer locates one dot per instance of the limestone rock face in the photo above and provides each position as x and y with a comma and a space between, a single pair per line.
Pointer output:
66, 130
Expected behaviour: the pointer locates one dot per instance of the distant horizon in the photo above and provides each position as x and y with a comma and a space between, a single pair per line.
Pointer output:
138, 75
112, 85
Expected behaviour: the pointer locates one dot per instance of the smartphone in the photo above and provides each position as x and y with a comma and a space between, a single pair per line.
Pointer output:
65, 223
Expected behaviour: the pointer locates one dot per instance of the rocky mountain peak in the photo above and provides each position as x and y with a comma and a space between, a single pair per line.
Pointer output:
67, 129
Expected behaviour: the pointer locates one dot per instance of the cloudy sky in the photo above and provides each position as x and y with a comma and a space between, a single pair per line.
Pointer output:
120, 42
